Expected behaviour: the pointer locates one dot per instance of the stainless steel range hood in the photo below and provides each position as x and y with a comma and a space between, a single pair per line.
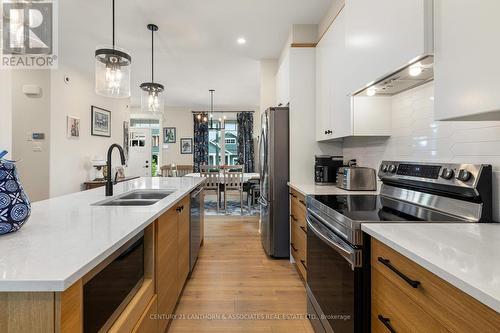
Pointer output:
416, 73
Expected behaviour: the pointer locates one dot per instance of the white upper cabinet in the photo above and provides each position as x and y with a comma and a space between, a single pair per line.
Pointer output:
384, 35
339, 115
333, 116
467, 59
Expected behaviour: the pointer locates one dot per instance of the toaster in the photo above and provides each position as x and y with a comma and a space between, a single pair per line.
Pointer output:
357, 179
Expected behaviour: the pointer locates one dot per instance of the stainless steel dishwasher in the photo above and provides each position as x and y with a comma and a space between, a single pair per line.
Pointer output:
196, 219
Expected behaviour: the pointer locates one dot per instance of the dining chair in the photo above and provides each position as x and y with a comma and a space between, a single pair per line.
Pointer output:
212, 174
168, 170
253, 192
233, 181
183, 170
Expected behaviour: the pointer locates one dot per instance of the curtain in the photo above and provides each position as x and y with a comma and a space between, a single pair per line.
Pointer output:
245, 141
200, 142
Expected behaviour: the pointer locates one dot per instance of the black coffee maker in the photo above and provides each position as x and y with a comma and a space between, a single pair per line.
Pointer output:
325, 169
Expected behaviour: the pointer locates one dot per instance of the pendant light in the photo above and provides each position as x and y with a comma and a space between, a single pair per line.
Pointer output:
151, 97
112, 70
219, 123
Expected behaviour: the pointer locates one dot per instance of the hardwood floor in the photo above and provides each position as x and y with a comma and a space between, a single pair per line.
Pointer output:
235, 279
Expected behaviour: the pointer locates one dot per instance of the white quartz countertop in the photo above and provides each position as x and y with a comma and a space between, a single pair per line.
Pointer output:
66, 236
311, 189
465, 255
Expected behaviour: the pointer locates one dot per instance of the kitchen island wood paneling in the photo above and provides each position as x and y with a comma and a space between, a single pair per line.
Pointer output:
61, 311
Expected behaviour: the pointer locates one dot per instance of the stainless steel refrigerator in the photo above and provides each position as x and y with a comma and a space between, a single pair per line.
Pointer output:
274, 175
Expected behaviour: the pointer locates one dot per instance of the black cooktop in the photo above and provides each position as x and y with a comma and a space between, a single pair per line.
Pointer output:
376, 208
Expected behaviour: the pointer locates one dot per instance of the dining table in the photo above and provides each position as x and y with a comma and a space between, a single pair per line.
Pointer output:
247, 176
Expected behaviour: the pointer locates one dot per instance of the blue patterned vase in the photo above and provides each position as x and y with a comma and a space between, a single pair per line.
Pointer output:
15, 207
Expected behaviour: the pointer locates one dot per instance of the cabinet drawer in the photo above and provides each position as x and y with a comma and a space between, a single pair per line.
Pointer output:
397, 310
298, 198
147, 323
298, 239
447, 304
298, 216
298, 245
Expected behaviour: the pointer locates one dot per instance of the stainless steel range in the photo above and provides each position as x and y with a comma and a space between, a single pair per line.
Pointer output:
338, 252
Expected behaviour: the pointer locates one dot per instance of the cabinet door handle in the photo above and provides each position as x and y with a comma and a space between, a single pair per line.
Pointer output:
293, 195
302, 202
303, 262
293, 247
387, 323
387, 263
293, 217
303, 229
178, 209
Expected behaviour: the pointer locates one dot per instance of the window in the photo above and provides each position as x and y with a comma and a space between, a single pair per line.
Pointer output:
223, 144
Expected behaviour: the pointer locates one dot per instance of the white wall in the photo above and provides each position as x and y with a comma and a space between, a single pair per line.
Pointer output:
70, 163
268, 70
6, 111
31, 114
182, 120
416, 137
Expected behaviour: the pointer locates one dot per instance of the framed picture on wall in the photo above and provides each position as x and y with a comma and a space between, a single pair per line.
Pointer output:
169, 135
186, 146
126, 126
73, 127
101, 122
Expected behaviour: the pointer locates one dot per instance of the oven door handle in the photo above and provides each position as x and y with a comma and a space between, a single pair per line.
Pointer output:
335, 242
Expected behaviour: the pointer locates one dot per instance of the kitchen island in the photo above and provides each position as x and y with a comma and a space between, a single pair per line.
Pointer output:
44, 266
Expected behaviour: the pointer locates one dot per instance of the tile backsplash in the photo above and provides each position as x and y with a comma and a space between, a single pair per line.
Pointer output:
417, 137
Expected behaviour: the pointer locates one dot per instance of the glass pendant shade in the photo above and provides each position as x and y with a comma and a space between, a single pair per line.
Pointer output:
152, 99
112, 69
112, 73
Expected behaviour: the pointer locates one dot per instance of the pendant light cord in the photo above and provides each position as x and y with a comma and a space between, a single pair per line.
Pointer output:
152, 56
212, 103
113, 24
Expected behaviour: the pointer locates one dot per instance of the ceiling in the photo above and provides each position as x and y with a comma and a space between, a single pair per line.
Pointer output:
196, 46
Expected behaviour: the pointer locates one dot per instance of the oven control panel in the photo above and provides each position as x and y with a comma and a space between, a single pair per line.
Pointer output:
451, 174
418, 170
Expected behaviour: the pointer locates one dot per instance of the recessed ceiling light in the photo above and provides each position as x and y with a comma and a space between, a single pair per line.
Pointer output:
242, 41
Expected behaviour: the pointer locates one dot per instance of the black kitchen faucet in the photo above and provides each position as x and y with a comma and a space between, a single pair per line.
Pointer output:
109, 183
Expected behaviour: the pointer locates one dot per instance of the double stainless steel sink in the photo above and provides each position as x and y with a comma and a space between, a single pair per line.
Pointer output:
136, 198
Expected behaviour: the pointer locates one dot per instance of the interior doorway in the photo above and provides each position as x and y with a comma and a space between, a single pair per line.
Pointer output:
144, 147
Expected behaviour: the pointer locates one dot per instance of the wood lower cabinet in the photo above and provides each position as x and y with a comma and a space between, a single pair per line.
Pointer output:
147, 323
166, 266
298, 232
408, 298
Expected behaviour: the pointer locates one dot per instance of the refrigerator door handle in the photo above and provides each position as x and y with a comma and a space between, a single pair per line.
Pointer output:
263, 159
